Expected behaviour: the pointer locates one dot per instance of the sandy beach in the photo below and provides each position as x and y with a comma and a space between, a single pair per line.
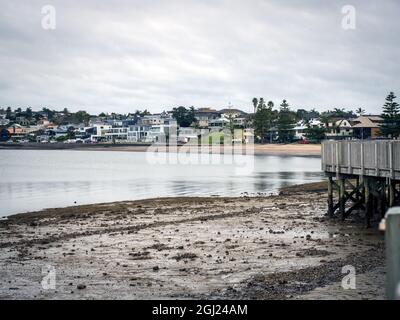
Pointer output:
276, 247
258, 149
294, 149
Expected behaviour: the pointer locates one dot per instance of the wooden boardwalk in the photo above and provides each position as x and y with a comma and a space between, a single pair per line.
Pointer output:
379, 158
365, 174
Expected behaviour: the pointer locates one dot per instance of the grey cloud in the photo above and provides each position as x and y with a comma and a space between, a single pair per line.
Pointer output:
123, 55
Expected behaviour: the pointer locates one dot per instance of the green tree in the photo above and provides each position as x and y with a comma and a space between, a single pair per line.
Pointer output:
302, 114
285, 123
49, 113
71, 133
360, 112
263, 119
143, 113
28, 113
82, 116
4, 134
315, 134
61, 138
338, 113
139, 114
8, 113
255, 104
184, 117
391, 118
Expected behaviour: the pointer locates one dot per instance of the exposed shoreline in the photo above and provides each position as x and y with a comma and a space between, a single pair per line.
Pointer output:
276, 247
266, 149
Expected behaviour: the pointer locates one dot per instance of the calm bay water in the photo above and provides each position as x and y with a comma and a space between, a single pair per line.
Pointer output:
31, 180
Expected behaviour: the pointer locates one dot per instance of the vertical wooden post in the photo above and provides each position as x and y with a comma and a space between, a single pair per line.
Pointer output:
337, 161
382, 204
391, 160
330, 196
373, 190
342, 201
368, 202
357, 187
391, 193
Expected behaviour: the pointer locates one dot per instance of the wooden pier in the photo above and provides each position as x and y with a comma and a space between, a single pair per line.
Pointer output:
365, 176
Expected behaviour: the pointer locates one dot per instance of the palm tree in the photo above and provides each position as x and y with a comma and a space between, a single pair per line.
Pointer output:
261, 102
339, 112
255, 103
360, 112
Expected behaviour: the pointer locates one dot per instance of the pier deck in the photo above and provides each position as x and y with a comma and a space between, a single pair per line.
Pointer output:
379, 158
365, 174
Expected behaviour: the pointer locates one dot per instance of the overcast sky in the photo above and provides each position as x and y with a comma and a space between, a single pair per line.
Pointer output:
126, 55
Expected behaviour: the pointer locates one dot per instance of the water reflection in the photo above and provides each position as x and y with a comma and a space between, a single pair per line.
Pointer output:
33, 179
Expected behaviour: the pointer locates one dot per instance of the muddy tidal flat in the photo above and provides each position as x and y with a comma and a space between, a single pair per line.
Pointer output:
276, 247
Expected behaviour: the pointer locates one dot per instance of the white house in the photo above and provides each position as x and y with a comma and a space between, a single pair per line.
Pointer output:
315, 123
150, 120
219, 123
138, 133
339, 129
100, 132
300, 130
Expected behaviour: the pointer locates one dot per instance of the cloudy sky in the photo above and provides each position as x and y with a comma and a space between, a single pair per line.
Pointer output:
126, 55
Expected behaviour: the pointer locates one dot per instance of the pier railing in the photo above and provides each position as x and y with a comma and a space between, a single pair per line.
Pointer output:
379, 158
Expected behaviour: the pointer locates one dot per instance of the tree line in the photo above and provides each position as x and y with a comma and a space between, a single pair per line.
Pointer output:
267, 120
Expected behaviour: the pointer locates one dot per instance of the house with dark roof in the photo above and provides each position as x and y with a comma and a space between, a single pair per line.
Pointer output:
206, 115
366, 127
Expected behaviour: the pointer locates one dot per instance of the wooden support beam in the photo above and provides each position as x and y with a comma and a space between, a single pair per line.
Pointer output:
382, 201
350, 196
358, 188
358, 201
342, 198
358, 205
335, 185
392, 193
396, 194
349, 184
368, 202
330, 197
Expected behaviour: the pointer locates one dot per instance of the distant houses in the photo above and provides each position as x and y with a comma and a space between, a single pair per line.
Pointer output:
156, 128
362, 127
